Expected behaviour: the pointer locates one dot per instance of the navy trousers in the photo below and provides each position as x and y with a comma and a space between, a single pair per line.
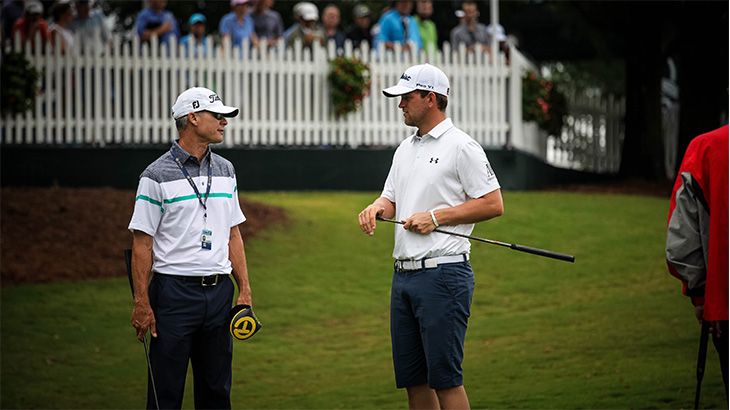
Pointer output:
192, 326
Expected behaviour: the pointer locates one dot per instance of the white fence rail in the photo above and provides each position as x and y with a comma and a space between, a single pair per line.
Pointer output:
124, 97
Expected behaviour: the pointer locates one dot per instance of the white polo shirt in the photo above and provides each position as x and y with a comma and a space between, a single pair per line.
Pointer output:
167, 209
441, 169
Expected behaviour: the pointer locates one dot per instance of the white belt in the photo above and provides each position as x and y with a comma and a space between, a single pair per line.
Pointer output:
428, 263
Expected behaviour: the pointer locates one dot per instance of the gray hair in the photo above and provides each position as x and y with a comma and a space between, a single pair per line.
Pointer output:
181, 123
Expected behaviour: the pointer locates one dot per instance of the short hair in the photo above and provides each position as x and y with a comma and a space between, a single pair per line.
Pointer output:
59, 9
181, 123
441, 100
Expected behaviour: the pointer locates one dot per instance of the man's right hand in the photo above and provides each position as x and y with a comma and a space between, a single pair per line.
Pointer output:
367, 218
143, 318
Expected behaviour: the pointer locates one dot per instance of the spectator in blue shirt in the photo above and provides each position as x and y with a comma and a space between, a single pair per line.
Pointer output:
88, 24
155, 20
197, 36
267, 22
398, 26
238, 25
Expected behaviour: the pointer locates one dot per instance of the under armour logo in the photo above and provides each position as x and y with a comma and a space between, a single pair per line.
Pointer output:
433, 160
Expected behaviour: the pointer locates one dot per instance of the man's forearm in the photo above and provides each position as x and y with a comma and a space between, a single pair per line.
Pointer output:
475, 210
141, 266
237, 256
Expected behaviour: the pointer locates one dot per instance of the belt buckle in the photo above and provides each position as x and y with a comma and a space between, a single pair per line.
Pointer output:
204, 281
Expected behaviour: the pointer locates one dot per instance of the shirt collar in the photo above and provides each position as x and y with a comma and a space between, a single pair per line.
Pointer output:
184, 155
437, 131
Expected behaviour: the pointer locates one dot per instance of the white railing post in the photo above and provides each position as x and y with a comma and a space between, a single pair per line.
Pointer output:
124, 95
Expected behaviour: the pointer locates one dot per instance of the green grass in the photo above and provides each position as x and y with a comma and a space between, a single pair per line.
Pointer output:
611, 331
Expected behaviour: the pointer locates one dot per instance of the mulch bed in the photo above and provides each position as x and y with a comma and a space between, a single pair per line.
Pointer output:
67, 234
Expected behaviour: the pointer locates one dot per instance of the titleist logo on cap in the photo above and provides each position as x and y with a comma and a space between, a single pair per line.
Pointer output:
420, 77
200, 99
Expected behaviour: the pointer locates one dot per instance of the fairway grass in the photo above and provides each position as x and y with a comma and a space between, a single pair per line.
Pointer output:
611, 331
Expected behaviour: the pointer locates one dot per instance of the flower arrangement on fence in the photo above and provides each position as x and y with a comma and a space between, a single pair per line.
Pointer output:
543, 103
20, 84
350, 81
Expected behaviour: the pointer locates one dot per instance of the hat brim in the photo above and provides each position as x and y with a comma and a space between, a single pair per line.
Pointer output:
397, 90
225, 110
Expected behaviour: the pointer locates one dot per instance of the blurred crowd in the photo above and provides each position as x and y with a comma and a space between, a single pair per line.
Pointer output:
405, 23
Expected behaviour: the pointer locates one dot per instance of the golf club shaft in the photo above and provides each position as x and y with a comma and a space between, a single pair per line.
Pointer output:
128, 261
701, 360
521, 248
149, 367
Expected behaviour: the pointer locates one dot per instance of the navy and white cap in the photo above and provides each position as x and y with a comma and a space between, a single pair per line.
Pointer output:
420, 77
200, 99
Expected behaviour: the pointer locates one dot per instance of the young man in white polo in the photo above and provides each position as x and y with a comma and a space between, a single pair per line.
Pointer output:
186, 235
440, 177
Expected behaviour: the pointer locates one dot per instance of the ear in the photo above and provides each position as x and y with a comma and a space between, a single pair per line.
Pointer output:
432, 99
193, 118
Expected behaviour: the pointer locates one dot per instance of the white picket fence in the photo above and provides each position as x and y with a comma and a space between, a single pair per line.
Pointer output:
123, 97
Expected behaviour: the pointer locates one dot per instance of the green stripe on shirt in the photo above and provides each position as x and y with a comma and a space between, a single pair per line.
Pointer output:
188, 197
148, 199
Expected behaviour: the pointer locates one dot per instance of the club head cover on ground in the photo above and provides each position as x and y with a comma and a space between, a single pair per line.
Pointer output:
244, 323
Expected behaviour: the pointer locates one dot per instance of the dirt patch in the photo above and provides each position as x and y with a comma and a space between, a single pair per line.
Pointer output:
66, 234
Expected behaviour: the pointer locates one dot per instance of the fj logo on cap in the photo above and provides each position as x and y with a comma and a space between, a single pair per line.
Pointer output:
196, 104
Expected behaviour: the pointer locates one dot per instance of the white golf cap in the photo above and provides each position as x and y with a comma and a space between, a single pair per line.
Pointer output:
308, 12
200, 99
420, 77
500, 32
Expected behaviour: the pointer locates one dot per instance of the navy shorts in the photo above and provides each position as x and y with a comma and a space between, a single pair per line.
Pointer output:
429, 311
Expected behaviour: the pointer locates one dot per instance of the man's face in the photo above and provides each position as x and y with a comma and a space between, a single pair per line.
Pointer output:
240, 9
404, 7
470, 11
158, 5
363, 22
82, 8
331, 17
414, 108
424, 9
32, 18
198, 29
209, 128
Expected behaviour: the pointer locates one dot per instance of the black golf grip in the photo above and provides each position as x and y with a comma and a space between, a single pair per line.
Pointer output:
543, 252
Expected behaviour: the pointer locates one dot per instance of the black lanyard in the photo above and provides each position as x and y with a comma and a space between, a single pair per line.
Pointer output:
192, 183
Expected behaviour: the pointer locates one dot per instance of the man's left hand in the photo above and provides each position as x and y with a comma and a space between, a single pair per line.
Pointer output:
420, 223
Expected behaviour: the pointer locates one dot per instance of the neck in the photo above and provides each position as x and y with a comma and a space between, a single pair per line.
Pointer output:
430, 123
195, 148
